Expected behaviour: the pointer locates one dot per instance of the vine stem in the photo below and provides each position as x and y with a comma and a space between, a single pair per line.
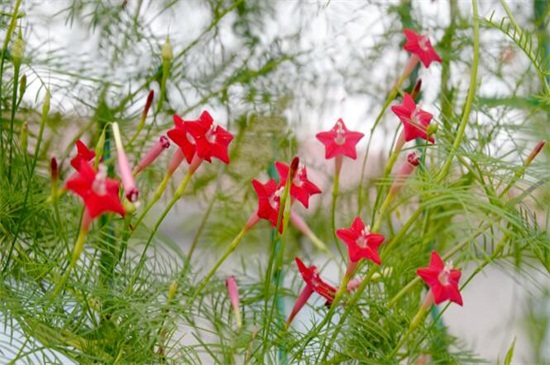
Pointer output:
44, 119
275, 268
156, 197
232, 246
469, 99
416, 321
335, 192
17, 67
177, 195
391, 96
9, 33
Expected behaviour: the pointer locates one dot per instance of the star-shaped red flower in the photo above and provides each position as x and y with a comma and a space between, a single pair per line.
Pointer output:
181, 137
314, 281
100, 194
362, 244
83, 154
211, 140
415, 120
301, 188
269, 201
442, 280
420, 46
340, 141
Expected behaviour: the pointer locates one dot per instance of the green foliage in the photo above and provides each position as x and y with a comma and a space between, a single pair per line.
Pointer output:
148, 287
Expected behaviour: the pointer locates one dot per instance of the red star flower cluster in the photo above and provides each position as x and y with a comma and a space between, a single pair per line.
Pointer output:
201, 137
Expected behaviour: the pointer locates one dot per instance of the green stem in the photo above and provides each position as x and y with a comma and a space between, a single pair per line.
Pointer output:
77, 251
382, 212
9, 33
469, 99
177, 195
398, 145
202, 225
417, 321
17, 66
335, 191
156, 196
391, 96
45, 111
275, 266
232, 246
447, 40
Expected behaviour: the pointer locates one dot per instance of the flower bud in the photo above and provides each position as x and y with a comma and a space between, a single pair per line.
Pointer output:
172, 290
99, 147
54, 169
46, 105
432, 129
148, 103
166, 51
24, 137
406, 170
294, 167
231, 284
535, 152
416, 90
22, 85
129, 207
130, 188
151, 155
18, 50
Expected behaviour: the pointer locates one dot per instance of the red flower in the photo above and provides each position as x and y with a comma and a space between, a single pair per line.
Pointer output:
313, 280
211, 140
442, 280
421, 47
100, 194
314, 283
269, 201
415, 120
301, 188
340, 141
180, 135
203, 137
83, 154
361, 243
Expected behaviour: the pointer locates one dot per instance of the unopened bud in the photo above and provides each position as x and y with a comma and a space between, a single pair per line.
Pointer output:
416, 90
535, 152
166, 51
130, 189
353, 284
54, 169
172, 290
233, 291
432, 129
46, 106
413, 159
129, 207
99, 147
151, 155
294, 167
24, 137
148, 103
18, 50
22, 85
404, 172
